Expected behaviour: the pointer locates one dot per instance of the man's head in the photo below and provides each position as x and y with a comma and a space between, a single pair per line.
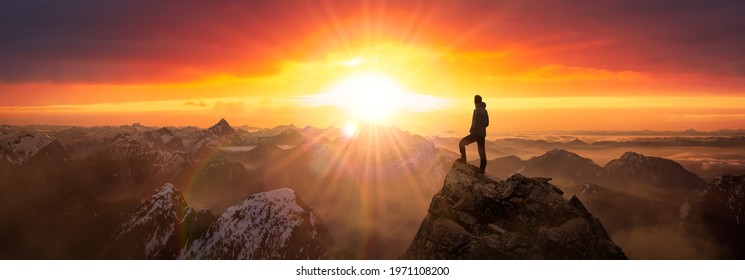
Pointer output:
477, 99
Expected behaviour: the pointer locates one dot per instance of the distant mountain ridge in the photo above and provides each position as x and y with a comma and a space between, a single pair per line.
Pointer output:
631, 169
19, 148
563, 164
636, 169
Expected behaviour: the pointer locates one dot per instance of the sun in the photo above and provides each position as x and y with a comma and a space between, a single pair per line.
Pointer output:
373, 97
370, 97
349, 129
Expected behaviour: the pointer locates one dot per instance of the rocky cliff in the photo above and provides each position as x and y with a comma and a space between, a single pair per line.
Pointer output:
477, 217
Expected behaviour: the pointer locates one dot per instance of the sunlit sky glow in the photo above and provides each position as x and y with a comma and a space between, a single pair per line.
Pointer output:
414, 64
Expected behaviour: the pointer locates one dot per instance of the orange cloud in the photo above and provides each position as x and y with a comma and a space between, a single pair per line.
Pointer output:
74, 62
571, 73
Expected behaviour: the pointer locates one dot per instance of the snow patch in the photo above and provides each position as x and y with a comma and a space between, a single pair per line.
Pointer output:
264, 221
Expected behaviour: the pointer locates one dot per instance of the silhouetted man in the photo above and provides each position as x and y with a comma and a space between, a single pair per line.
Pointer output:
478, 132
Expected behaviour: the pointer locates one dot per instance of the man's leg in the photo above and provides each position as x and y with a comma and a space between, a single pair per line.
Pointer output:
481, 141
462, 145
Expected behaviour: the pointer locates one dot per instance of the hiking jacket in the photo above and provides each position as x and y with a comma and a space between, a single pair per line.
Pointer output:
480, 120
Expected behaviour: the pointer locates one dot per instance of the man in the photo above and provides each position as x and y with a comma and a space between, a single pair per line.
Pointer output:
479, 123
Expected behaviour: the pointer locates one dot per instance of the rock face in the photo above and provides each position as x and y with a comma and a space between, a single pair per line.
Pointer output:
163, 139
153, 230
222, 128
720, 207
268, 225
476, 217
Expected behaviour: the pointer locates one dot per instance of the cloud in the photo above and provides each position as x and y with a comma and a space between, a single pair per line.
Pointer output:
569, 73
87, 41
709, 161
199, 103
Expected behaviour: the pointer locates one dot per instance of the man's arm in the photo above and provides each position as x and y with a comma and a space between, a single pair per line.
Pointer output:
486, 116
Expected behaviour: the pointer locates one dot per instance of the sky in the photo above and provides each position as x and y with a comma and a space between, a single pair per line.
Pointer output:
539, 65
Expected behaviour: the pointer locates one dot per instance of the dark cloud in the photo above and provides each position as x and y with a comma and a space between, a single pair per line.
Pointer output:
148, 41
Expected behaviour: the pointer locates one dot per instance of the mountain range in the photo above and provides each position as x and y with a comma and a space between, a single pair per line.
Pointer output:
371, 190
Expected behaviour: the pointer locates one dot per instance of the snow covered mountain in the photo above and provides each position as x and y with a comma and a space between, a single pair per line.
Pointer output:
200, 142
19, 148
270, 225
153, 230
163, 139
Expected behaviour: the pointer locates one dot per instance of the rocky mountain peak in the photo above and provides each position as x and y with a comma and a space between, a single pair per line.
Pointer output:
221, 128
637, 169
577, 142
163, 139
269, 225
164, 131
561, 155
19, 148
152, 230
476, 217
723, 198
633, 156
557, 152
565, 167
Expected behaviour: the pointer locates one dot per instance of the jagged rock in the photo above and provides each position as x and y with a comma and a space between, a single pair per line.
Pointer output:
199, 143
196, 223
269, 225
153, 231
221, 128
163, 139
519, 218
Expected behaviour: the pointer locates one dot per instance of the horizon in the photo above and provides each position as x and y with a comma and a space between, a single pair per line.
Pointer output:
414, 65
598, 132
